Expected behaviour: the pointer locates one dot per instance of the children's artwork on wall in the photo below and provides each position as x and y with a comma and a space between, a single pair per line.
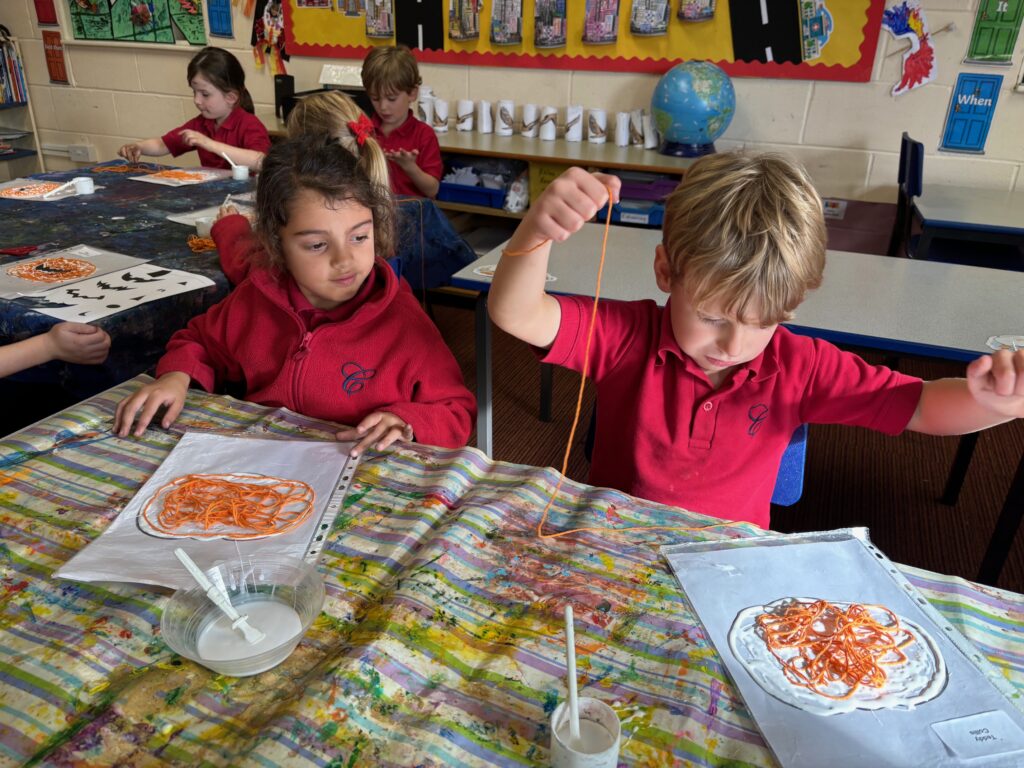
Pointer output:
996, 28
380, 19
219, 14
907, 21
650, 17
507, 22
601, 22
46, 12
53, 48
98, 297
464, 19
971, 108
137, 21
802, 39
549, 24
351, 7
327, 5
267, 39
696, 10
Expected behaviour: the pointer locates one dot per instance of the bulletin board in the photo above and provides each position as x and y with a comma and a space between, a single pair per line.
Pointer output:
805, 39
144, 21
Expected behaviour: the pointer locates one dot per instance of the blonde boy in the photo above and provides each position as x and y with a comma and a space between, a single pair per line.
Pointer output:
697, 400
392, 81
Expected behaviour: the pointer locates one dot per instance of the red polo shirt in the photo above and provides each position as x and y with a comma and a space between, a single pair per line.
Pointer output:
412, 134
239, 129
665, 434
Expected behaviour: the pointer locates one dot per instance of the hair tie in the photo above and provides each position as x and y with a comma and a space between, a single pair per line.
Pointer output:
361, 128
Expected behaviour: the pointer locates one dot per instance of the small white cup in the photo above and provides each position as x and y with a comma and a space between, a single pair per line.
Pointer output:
84, 185
204, 224
240, 172
600, 734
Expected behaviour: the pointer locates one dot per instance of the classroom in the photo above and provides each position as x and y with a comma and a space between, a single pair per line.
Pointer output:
512, 382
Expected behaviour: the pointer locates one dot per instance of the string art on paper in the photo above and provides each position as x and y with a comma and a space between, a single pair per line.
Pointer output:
175, 174
55, 269
579, 407
134, 168
230, 506
29, 190
821, 646
199, 244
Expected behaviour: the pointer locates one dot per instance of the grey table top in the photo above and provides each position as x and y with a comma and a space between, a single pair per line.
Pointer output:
965, 208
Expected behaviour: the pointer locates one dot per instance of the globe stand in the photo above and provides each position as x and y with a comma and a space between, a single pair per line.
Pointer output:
680, 149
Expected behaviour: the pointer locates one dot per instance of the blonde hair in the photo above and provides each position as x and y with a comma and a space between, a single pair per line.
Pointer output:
390, 69
330, 113
746, 230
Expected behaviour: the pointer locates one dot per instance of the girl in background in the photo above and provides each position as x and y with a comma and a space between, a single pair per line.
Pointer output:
225, 124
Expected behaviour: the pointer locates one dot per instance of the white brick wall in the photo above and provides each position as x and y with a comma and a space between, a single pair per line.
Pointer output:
846, 133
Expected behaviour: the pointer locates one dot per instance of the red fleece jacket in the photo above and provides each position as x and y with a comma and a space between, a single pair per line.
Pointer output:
386, 356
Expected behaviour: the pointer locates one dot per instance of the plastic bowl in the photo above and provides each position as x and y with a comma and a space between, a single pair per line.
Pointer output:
281, 595
204, 224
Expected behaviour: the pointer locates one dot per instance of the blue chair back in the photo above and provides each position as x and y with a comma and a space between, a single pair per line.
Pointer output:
910, 178
395, 262
789, 483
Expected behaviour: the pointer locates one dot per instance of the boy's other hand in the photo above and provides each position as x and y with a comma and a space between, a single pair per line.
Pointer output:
130, 152
403, 158
569, 202
79, 343
996, 381
378, 430
169, 390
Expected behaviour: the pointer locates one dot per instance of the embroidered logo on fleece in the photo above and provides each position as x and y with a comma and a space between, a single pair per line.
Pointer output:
757, 414
355, 377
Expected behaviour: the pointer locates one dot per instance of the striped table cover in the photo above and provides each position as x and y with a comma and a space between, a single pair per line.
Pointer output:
440, 643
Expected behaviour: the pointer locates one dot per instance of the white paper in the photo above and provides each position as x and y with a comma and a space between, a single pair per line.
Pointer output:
597, 126
530, 121
104, 262
987, 733
96, 297
189, 219
440, 119
124, 553
548, 123
722, 578
622, 129
464, 115
484, 122
200, 176
47, 186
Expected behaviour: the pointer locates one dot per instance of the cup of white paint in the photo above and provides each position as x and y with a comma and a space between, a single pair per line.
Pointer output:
280, 595
598, 744
240, 172
84, 185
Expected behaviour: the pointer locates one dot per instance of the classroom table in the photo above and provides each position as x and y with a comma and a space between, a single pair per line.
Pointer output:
962, 213
440, 642
903, 306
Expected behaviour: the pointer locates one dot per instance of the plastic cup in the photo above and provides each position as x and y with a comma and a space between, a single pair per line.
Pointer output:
240, 172
600, 734
204, 224
281, 596
84, 185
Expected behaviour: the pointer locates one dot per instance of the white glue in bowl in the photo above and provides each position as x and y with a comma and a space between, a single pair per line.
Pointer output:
204, 224
281, 597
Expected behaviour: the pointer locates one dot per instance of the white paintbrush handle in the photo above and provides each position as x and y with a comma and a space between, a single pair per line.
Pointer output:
570, 666
61, 188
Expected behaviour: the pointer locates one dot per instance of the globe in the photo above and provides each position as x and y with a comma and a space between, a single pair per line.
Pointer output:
693, 104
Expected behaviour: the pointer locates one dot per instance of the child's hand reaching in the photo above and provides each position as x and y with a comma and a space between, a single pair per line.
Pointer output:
378, 430
996, 382
78, 343
130, 152
403, 158
196, 139
569, 202
169, 390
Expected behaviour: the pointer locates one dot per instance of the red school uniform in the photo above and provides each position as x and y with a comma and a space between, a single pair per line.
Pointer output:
376, 352
412, 134
665, 434
240, 129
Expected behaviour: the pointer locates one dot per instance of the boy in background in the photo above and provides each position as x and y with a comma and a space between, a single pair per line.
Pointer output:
697, 401
392, 81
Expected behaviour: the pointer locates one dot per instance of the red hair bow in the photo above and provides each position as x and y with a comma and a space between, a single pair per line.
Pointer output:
361, 128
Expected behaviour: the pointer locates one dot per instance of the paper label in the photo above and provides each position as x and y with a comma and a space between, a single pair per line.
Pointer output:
834, 209
634, 218
981, 735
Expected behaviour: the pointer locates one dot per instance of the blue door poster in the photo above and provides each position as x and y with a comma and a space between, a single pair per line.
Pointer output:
970, 112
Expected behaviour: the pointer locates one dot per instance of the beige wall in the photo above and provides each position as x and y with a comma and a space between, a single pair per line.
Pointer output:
846, 133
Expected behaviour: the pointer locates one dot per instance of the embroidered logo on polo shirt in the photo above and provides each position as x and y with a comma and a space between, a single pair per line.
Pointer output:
757, 414
355, 377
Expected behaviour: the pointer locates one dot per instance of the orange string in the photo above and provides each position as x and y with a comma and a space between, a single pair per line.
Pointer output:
178, 175
201, 244
219, 505
833, 646
126, 168
579, 407
53, 269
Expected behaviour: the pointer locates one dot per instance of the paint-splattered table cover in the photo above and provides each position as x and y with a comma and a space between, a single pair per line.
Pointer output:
440, 642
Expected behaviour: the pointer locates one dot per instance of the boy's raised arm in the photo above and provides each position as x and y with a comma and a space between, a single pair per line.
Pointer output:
518, 303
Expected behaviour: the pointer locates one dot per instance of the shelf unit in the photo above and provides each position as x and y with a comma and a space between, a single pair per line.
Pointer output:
19, 117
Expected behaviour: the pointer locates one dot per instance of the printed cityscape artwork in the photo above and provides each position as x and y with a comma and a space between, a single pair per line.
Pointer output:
464, 19
549, 24
507, 22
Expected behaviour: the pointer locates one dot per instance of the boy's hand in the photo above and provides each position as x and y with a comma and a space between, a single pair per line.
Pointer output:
997, 382
403, 158
130, 152
378, 430
79, 343
569, 202
169, 390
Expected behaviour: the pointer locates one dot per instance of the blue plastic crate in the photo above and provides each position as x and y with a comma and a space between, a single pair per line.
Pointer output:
463, 193
643, 212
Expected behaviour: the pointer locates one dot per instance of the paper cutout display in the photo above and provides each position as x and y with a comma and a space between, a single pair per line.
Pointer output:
601, 22
464, 19
219, 14
650, 17
142, 21
971, 109
996, 28
907, 21
53, 48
